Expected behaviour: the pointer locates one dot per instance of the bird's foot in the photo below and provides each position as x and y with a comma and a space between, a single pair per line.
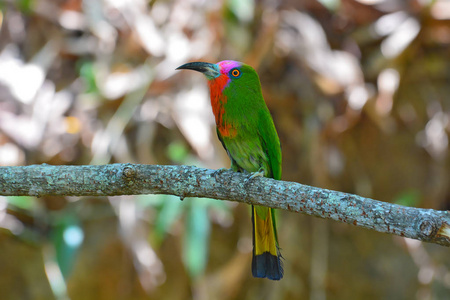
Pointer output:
259, 173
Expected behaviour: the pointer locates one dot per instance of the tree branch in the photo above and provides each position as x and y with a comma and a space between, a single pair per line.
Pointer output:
186, 181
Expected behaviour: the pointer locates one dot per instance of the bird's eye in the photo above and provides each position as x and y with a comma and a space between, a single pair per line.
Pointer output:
235, 73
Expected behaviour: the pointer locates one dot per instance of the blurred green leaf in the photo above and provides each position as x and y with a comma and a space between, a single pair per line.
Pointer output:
177, 151
87, 73
243, 10
23, 202
169, 213
332, 5
196, 239
25, 6
408, 198
67, 238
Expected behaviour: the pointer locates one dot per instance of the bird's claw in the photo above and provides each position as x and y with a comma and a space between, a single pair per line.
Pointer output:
259, 173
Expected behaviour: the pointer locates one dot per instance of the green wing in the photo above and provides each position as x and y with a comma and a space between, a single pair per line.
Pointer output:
270, 142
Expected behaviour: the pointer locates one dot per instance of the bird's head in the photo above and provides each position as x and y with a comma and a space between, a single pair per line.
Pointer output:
234, 90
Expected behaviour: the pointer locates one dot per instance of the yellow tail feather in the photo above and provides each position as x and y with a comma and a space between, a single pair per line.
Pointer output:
264, 231
266, 260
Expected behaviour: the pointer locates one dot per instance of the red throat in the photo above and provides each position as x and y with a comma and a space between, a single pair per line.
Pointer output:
218, 101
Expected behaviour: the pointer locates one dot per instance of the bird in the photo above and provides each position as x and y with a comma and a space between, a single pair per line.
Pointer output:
246, 130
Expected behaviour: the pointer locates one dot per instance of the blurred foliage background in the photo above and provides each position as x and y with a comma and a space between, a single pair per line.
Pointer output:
360, 94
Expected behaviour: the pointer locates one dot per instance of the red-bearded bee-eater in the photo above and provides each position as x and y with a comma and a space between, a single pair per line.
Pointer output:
247, 132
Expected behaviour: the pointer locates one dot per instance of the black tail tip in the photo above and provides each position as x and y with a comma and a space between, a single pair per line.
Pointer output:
268, 266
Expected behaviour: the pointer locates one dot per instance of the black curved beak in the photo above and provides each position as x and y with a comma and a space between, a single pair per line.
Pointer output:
209, 70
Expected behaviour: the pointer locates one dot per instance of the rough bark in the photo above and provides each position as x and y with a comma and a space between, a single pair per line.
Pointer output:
187, 181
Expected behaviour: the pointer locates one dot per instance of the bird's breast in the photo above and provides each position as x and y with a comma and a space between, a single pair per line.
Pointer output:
226, 127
